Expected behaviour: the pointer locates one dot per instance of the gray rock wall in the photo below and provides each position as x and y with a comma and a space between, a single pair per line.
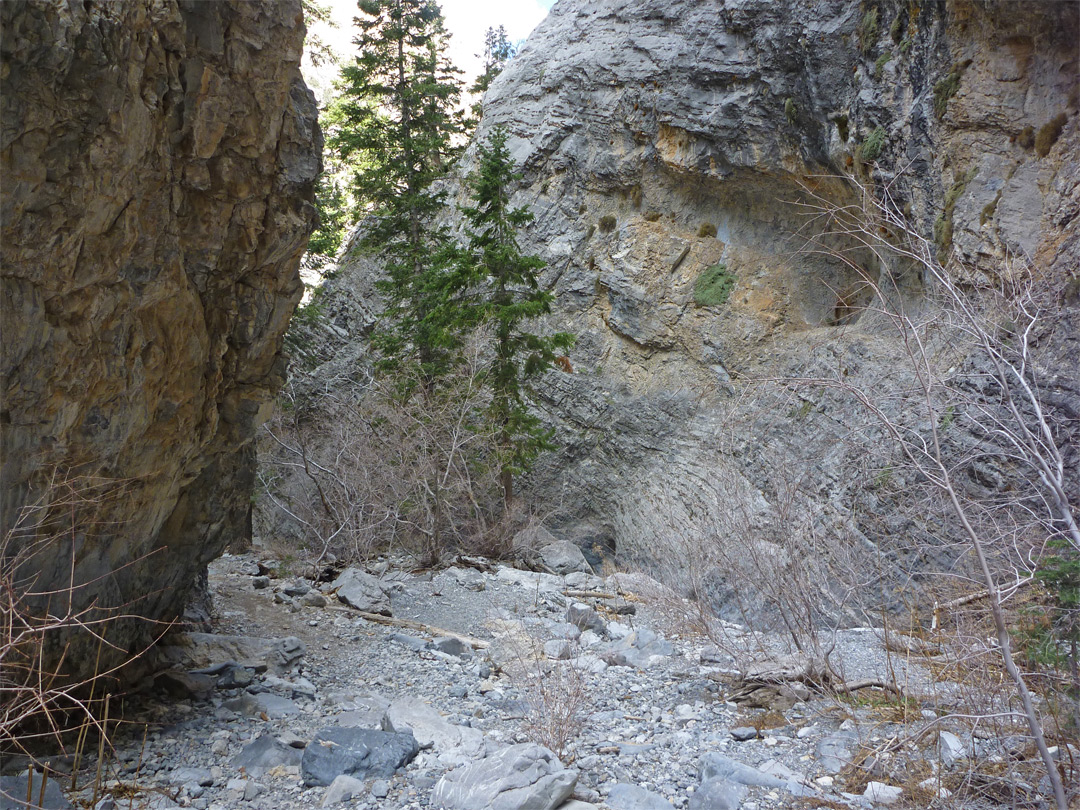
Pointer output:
678, 118
158, 161
659, 138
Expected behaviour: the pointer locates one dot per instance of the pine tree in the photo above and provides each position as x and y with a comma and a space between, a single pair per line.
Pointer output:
498, 50
512, 298
399, 118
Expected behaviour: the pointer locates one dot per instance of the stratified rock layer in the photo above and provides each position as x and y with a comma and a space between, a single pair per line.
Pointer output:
658, 139
158, 162
661, 138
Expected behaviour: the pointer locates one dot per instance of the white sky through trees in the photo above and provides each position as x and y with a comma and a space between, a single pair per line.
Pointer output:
466, 20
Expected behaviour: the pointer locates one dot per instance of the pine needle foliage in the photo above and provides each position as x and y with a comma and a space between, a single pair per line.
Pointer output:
400, 119
512, 298
498, 50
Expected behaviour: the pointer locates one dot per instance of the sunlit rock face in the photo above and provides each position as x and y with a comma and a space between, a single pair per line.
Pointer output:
159, 160
658, 139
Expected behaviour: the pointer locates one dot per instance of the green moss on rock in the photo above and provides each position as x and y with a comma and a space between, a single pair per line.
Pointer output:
713, 287
867, 31
946, 88
872, 146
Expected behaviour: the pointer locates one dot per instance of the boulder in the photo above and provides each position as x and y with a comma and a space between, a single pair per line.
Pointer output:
563, 557
717, 766
536, 581
835, 752
454, 744
881, 793
638, 648
342, 789
468, 578
362, 591
265, 754
520, 777
532, 538
13, 793
213, 651
585, 618
191, 776
632, 797
951, 748
717, 794
451, 646
358, 752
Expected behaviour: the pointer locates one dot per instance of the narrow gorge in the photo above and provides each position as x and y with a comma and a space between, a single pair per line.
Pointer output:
801, 530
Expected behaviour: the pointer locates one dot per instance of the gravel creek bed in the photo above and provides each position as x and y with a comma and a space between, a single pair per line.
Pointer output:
651, 721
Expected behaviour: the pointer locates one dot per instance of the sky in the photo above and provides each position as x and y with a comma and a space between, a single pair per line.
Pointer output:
466, 20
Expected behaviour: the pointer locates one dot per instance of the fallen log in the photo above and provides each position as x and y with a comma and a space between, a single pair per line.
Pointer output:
802, 669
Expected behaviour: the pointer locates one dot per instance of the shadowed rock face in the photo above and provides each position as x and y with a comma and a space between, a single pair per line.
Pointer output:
159, 160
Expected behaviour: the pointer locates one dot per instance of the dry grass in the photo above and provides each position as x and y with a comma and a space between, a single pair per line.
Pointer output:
50, 702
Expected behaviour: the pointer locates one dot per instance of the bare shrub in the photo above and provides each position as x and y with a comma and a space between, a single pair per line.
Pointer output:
357, 467
983, 442
557, 695
44, 705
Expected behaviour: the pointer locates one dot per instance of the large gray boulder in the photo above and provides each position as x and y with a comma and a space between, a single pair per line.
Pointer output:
625, 796
455, 745
521, 777
13, 793
265, 754
357, 752
564, 557
362, 591
718, 766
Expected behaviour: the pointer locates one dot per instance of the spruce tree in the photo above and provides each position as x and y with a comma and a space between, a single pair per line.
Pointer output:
498, 50
399, 122
511, 299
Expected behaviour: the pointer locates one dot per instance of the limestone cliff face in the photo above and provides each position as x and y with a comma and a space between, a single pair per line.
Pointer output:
158, 167
660, 138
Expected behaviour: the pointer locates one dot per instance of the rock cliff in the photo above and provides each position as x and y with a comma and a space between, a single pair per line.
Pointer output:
661, 139
159, 161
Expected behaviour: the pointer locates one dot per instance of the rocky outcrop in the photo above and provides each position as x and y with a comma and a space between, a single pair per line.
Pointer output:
658, 140
159, 161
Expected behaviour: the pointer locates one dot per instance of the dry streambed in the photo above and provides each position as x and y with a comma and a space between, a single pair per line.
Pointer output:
490, 687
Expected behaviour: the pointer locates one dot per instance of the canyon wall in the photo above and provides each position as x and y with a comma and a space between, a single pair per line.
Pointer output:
659, 139
159, 161
663, 141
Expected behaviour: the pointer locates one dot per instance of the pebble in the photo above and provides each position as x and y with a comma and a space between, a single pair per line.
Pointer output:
648, 722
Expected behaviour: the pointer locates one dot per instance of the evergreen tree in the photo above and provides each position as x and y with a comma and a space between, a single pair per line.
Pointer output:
498, 50
399, 122
328, 236
512, 298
